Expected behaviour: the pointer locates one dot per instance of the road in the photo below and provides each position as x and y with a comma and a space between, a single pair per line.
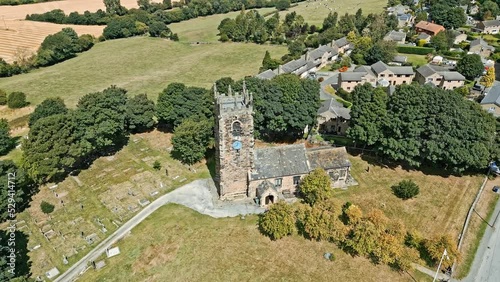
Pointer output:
198, 195
486, 265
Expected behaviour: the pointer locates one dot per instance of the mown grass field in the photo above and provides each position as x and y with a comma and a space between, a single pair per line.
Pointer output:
194, 247
314, 12
140, 65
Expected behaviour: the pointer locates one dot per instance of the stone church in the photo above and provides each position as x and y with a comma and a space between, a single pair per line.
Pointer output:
268, 174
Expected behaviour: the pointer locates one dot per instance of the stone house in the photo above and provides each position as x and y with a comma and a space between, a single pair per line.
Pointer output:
491, 102
439, 76
429, 28
376, 74
396, 36
333, 118
267, 174
489, 27
343, 45
481, 47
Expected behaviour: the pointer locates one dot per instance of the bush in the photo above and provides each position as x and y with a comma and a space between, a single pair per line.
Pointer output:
406, 189
321, 79
46, 207
282, 5
16, 100
3, 97
278, 222
157, 165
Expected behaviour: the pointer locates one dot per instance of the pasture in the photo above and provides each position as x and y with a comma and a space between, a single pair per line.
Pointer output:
140, 65
184, 251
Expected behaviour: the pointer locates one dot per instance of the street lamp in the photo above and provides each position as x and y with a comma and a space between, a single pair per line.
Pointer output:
445, 253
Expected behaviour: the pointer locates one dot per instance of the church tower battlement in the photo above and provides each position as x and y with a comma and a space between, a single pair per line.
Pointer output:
234, 142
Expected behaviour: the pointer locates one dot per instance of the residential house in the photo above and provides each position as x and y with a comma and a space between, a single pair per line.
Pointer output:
396, 36
460, 37
268, 74
439, 76
405, 20
333, 118
322, 55
343, 45
481, 47
424, 36
491, 102
429, 28
398, 10
399, 60
376, 74
489, 27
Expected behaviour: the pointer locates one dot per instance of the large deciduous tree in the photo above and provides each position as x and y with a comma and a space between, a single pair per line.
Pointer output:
278, 221
49, 106
140, 113
191, 139
470, 66
316, 186
6, 141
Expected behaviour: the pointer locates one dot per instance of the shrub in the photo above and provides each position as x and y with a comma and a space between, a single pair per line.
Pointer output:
46, 207
282, 5
16, 100
278, 221
321, 79
3, 97
406, 189
415, 50
157, 165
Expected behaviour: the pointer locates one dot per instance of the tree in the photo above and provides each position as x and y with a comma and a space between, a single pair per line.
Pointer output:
450, 16
470, 66
191, 139
16, 100
46, 207
315, 186
330, 21
102, 116
282, 5
443, 41
406, 189
268, 63
6, 141
421, 16
139, 113
53, 147
489, 9
158, 29
49, 106
488, 79
322, 222
296, 48
382, 51
114, 7
3, 98
58, 47
278, 221
436, 246
178, 102
368, 114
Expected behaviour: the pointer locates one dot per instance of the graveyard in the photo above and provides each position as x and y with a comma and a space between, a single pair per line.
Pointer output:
93, 204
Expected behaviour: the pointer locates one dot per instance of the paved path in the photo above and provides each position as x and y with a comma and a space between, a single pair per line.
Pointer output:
486, 265
198, 195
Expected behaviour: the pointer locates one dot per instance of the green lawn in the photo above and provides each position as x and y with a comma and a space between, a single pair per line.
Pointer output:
315, 12
415, 60
140, 65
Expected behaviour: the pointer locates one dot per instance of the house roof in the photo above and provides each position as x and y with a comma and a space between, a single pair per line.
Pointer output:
327, 158
400, 59
425, 25
268, 74
264, 186
482, 43
423, 35
491, 23
380, 66
341, 42
352, 75
493, 96
333, 109
279, 161
395, 36
294, 65
428, 70
321, 50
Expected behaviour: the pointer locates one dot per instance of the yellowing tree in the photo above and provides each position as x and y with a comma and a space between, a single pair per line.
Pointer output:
316, 186
488, 79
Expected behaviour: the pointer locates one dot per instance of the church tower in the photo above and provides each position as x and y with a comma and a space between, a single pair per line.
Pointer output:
234, 142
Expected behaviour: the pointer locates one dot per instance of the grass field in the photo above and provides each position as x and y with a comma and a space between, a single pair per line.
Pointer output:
185, 250
109, 190
314, 12
415, 60
140, 65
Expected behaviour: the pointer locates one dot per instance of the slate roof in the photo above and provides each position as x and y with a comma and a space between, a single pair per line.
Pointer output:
268, 74
491, 23
341, 42
264, 186
333, 109
321, 50
400, 59
428, 70
493, 96
482, 43
279, 161
380, 66
423, 35
327, 158
395, 36
294, 65
352, 76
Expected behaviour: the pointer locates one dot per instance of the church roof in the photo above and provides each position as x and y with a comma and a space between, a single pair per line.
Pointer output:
279, 161
327, 158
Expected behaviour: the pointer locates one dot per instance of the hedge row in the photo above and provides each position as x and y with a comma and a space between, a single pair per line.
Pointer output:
415, 50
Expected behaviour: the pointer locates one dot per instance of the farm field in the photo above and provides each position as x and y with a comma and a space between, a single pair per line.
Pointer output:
19, 37
107, 193
68, 6
185, 250
314, 12
140, 65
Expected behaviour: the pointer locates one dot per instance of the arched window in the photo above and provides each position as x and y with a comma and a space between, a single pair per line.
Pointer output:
236, 128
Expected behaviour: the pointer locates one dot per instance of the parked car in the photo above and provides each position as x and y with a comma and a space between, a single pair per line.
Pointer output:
496, 189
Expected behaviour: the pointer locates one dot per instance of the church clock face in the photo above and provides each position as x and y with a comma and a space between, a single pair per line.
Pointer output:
237, 145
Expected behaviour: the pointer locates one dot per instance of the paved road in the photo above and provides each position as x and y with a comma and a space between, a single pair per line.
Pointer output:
198, 195
486, 265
